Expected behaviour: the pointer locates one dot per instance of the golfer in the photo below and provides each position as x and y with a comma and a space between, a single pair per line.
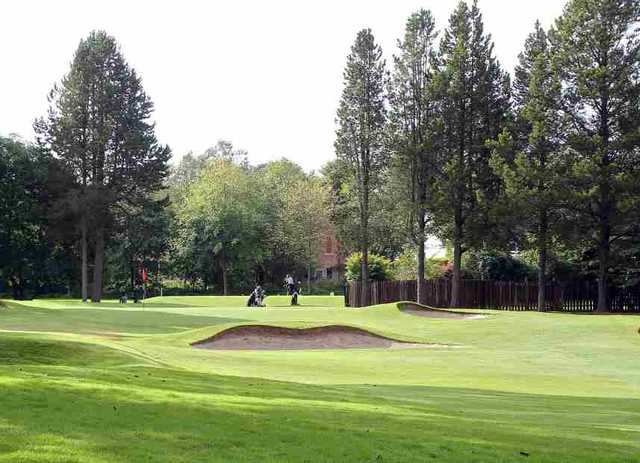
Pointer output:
291, 286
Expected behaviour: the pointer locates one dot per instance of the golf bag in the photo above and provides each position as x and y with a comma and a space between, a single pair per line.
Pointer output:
256, 298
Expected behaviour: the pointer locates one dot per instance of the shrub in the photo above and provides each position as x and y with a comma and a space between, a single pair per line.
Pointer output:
490, 265
405, 267
379, 267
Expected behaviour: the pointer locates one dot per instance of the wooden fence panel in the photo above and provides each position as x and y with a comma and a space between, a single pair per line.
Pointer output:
577, 296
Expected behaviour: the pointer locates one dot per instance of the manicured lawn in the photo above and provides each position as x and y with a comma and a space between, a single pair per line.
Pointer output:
106, 382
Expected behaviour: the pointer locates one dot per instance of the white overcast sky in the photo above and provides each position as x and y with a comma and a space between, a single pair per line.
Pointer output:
266, 75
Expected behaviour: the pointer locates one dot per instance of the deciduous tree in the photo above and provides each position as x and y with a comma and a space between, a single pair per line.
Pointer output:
222, 220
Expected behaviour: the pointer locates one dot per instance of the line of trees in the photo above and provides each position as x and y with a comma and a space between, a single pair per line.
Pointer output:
449, 146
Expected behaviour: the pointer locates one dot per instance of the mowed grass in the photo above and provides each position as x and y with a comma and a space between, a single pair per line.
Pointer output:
106, 382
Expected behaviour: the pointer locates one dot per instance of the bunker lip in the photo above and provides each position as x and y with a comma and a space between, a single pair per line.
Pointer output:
266, 337
420, 310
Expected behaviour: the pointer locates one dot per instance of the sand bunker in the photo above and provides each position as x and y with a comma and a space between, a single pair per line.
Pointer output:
424, 311
263, 337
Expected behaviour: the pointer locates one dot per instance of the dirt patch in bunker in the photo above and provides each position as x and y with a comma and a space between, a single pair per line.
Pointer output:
264, 337
413, 308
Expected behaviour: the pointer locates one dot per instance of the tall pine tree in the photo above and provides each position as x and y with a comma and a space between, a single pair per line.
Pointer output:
411, 122
473, 102
597, 52
536, 178
99, 126
360, 135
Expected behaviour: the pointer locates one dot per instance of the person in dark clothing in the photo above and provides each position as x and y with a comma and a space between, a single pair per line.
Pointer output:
294, 294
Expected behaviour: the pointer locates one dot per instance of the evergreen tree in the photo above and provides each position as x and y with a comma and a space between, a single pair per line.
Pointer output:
411, 122
473, 103
99, 126
597, 50
536, 180
360, 134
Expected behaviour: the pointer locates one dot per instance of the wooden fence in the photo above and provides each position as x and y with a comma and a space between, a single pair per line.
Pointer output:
581, 296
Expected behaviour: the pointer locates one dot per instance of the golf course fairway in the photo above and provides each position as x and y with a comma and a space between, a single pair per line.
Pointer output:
107, 382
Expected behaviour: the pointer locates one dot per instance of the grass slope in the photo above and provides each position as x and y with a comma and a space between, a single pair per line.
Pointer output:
105, 382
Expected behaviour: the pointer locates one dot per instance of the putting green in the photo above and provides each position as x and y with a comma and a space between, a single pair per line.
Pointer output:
106, 382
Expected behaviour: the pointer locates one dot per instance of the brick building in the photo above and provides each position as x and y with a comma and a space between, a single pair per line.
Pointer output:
330, 261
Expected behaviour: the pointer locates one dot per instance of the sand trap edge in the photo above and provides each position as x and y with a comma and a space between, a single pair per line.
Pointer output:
413, 308
286, 338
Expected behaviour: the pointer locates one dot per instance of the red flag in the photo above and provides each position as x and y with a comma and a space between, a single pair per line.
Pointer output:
144, 275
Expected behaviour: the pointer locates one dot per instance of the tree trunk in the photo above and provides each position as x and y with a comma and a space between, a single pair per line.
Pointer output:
15, 289
364, 246
309, 279
420, 243
606, 203
364, 263
225, 283
603, 264
133, 276
85, 259
98, 267
364, 277
542, 262
457, 263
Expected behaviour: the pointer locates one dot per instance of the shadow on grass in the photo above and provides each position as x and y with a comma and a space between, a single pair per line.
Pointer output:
18, 350
96, 321
141, 414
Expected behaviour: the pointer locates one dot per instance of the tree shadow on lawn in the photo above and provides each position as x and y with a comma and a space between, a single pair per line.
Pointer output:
96, 321
24, 350
136, 414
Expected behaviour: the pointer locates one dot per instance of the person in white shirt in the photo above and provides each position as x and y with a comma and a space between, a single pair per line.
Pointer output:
289, 282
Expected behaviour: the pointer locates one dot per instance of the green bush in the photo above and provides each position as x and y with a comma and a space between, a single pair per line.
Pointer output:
405, 267
500, 266
380, 268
